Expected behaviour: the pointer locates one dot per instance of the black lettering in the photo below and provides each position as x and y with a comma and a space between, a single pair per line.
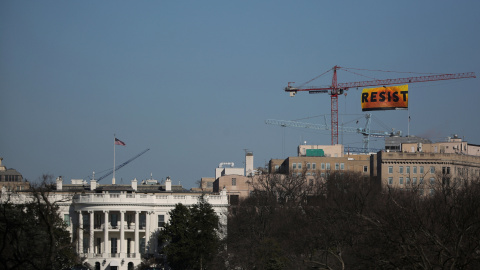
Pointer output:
364, 97
373, 98
382, 97
389, 96
404, 94
395, 96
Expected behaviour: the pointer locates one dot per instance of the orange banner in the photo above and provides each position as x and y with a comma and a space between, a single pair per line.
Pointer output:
385, 98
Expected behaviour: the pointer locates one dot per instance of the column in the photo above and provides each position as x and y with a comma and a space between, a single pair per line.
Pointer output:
105, 234
147, 229
137, 240
92, 234
122, 232
80, 232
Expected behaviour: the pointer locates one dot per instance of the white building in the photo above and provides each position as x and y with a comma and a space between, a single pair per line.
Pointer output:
119, 223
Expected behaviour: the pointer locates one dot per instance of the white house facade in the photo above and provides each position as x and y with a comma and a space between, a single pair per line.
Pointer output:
115, 226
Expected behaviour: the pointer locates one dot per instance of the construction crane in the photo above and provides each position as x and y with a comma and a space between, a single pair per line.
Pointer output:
338, 88
123, 164
366, 131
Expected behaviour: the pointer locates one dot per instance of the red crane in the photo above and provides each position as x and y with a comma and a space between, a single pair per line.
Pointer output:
338, 88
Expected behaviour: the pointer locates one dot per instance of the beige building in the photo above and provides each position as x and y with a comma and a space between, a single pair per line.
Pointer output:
422, 166
312, 166
236, 181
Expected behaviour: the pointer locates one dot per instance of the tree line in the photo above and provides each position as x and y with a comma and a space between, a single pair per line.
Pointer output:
349, 222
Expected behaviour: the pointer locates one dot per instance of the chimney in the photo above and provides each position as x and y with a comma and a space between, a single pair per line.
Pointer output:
134, 184
249, 164
93, 184
59, 183
168, 184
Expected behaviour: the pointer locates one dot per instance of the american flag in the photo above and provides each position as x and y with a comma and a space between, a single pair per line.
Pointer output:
118, 142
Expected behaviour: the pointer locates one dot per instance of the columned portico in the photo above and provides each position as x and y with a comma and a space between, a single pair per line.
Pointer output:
121, 226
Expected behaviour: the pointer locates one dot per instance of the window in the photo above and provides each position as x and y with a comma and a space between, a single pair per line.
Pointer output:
276, 168
421, 180
86, 221
400, 169
432, 180
421, 170
445, 170
129, 243
390, 180
113, 245
342, 166
234, 199
98, 220
400, 180
322, 175
114, 220
99, 245
161, 221
414, 169
142, 245
365, 168
86, 244
323, 166
432, 169
294, 166
328, 166
408, 169
314, 166
408, 180
66, 219
390, 169
337, 166
234, 181
308, 166
414, 179
299, 165
310, 182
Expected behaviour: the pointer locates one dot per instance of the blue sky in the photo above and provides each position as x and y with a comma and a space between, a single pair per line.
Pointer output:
194, 81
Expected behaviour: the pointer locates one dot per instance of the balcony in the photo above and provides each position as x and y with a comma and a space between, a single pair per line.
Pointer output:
144, 199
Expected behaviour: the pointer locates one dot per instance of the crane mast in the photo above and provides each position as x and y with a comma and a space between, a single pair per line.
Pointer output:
338, 88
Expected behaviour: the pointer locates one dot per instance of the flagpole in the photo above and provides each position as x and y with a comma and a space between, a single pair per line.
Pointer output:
113, 180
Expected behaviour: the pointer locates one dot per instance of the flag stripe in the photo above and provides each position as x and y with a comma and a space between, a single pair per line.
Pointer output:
118, 142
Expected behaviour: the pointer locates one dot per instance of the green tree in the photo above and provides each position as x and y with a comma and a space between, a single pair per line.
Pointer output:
190, 238
32, 233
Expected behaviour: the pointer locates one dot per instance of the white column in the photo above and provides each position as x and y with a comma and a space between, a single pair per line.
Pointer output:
137, 241
122, 232
80, 233
147, 229
92, 234
105, 233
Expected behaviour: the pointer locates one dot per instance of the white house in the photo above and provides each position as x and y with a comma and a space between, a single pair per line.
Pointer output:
115, 225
